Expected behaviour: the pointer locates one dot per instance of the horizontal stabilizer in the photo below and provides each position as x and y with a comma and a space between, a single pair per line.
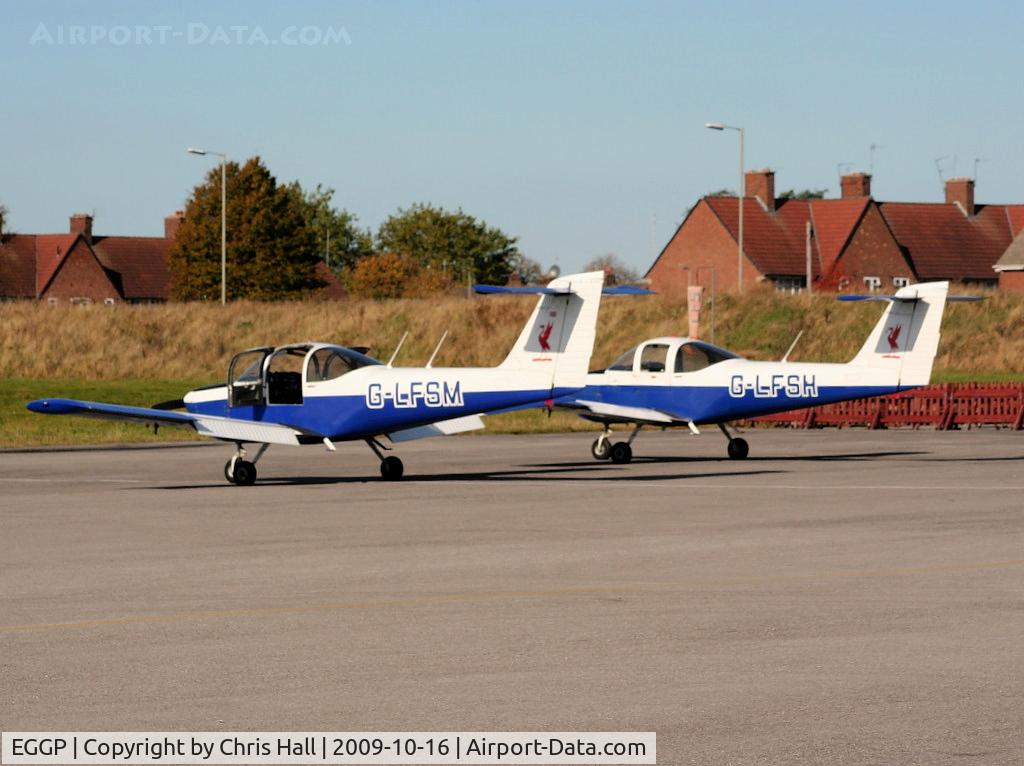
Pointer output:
441, 428
621, 290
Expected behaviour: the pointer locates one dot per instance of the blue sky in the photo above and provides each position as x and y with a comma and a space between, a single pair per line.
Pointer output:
576, 126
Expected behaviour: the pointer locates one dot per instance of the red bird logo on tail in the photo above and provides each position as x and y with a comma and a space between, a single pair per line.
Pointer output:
894, 337
545, 333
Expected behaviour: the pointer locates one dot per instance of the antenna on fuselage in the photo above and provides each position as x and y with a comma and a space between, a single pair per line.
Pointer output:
398, 347
430, 362
792, 345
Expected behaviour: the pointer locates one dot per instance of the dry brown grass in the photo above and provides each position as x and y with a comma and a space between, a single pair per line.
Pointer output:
195, 340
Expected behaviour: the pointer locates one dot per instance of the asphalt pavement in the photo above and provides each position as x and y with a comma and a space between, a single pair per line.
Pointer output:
838, 597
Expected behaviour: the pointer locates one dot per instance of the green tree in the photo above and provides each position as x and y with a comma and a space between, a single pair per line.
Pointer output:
271, 251
803, 194
4, 235
456, 244
615, 271
341, 243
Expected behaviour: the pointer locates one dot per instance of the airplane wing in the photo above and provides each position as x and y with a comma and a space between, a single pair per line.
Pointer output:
213, 426
441, 428
622, 414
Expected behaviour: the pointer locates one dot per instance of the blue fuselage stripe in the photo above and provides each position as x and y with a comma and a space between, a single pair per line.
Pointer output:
350, 417
715, 404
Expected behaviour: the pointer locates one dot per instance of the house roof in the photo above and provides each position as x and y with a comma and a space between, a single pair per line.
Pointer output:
141, 262
942, 242
773, 242
776, 242
18, 267
137, 266
50, 251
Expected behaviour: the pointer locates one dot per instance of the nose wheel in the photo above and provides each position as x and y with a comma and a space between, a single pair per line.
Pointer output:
391, 468
738, 448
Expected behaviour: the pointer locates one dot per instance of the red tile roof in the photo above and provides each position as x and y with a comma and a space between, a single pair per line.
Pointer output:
941, 242
50, 251
834, 223
141, 262
18, 267
774, 242
136, 265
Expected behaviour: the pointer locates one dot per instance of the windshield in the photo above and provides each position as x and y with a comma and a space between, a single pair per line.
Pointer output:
331, 363
625, 362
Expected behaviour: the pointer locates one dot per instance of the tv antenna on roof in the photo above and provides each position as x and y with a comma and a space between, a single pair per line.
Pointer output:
976, 161
871, 157
938, 168
841, 167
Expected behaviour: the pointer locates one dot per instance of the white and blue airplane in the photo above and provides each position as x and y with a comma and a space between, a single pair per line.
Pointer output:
680, 382
319, 393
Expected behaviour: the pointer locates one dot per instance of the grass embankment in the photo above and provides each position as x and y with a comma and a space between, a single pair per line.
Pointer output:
144, 354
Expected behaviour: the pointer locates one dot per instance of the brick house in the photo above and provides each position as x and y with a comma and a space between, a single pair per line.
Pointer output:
79, 267
855, 242
1010, 267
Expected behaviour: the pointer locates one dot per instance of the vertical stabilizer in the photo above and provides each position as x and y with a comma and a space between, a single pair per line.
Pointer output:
559, 336
901, 348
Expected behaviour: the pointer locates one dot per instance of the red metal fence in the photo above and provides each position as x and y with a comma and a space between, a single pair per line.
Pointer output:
942, 407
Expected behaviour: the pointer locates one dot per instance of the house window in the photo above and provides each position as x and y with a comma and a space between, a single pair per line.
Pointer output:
81, 301
900, 281
109, 301
789, 284
872, 283
53, 301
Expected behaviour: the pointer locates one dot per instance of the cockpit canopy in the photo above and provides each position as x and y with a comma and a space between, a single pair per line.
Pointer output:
278, 375
671, 355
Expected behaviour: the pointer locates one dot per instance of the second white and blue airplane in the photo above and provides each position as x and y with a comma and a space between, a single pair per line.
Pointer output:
320, 393
681, 382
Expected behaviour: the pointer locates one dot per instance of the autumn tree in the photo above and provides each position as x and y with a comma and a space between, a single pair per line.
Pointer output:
4, 235
271, 250
391, 275
456, 243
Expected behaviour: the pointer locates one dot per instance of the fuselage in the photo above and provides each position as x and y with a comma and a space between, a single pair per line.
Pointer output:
695, 381
330, 391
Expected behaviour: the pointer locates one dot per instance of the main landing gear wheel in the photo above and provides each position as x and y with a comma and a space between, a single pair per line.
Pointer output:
738, 448
621, 452
391, 468
601, 449
245, 473
228, 474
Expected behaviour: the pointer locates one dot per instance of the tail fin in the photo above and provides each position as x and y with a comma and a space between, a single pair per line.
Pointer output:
903, 343
559, 335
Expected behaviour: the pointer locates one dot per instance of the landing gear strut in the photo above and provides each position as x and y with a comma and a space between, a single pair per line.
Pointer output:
601, 449
738, 447
240, 471
391, 468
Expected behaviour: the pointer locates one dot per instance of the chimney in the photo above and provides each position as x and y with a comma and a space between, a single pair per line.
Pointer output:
761, 184
171, 224
960, 191
81, 223
855, 185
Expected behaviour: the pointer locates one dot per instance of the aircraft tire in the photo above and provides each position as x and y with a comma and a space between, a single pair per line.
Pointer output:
391, 468
621, 453
227, 473
245, 473
738, 449
601, 449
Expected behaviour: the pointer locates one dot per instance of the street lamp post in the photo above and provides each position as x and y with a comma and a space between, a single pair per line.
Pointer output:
743, 194
223, 219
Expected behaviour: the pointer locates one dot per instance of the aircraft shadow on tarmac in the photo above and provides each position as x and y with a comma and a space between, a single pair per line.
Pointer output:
527, 473
648, 459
